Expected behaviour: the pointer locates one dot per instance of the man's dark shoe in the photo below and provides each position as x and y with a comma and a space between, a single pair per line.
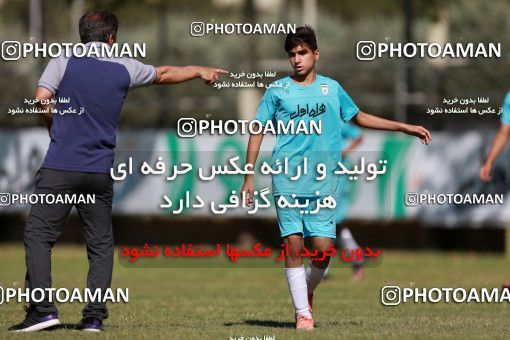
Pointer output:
36, 321
90, 325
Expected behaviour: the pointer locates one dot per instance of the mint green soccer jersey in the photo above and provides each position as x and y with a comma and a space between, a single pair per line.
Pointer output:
323, 100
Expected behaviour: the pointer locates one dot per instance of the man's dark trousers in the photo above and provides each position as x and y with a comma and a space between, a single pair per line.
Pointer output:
46, 222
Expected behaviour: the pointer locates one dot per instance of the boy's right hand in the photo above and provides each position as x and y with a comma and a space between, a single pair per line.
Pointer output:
418, 131
485, 172
248, 188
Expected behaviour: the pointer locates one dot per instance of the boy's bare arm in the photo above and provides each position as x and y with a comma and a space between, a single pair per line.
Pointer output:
252, 153
496, 148
176, 74
374, 122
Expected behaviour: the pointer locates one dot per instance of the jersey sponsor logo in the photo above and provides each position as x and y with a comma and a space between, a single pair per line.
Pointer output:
310, 110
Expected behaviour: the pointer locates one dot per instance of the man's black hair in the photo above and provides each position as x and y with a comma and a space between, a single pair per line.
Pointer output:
304, 35
98, 26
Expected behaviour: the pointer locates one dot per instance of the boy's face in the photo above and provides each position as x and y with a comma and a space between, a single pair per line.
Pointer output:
302, 59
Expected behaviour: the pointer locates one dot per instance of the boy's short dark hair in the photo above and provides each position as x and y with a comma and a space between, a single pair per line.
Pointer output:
98, 26
304, 35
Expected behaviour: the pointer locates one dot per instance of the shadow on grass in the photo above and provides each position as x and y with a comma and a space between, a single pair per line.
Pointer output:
263, 323
66, 326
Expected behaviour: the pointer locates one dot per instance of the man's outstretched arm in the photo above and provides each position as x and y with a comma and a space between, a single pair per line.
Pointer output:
373, 122
175, 74
498, 144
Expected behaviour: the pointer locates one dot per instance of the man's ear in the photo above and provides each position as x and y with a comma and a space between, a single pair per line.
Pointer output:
111, 39
317, 54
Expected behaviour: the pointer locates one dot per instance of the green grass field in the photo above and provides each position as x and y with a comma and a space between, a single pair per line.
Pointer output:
223, 302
